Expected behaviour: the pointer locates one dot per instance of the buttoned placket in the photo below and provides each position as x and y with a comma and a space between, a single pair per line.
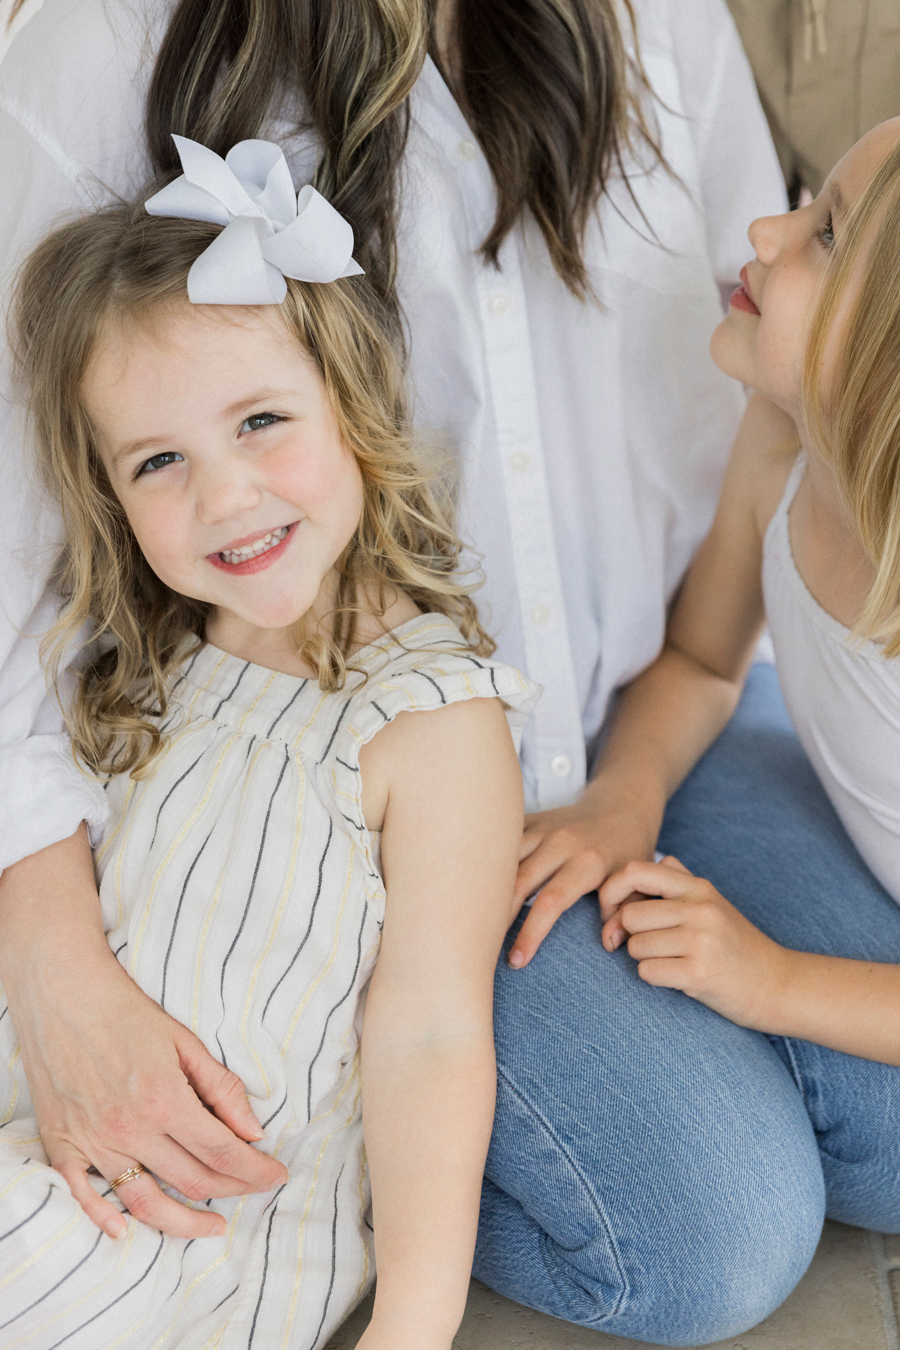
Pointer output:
553, 747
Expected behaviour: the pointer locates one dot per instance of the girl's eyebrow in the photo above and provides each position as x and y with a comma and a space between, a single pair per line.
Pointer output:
247, 400
837, 198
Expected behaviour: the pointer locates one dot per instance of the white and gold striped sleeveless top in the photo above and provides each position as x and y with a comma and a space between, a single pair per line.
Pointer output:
241, 890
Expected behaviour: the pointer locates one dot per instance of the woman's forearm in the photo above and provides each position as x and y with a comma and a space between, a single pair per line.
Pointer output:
50, 916
851, 1006
427, 1110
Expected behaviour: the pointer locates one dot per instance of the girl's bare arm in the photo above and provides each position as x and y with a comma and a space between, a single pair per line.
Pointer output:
115, 1080
451, 831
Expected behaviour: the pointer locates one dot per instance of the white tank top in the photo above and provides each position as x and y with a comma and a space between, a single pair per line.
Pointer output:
844, 701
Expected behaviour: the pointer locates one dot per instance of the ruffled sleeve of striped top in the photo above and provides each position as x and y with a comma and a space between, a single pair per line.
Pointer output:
422, 665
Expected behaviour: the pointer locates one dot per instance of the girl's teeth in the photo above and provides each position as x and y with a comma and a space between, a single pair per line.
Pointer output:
247, 551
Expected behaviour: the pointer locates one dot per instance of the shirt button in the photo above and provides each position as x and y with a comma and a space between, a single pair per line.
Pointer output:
540, 614
466, 151
520, 461
500, 304
561, 765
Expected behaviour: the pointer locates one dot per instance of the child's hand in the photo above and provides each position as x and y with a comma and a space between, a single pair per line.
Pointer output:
570, 852
692, 939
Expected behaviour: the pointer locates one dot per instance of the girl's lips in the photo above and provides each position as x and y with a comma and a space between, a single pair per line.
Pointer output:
257, 564
741, 298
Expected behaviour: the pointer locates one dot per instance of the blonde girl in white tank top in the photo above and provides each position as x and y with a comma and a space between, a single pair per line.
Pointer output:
807, 533
314, 884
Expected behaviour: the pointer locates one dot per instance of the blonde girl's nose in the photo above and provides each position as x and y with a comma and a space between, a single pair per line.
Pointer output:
225, 492
767, 234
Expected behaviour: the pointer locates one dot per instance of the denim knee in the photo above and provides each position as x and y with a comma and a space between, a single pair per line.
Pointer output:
699, 1243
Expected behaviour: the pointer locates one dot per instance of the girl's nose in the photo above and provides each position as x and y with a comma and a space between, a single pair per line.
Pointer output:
224, 493
767, 235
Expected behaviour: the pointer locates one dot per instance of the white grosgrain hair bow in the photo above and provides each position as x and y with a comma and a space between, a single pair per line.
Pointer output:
269, 233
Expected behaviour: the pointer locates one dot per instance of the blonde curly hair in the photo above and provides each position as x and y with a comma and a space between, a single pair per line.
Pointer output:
121, 264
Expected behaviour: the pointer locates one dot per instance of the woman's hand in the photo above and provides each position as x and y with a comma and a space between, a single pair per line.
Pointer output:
114, 1080
689, 937
571, 851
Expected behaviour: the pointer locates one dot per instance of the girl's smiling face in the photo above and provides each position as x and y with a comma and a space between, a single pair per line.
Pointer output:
764, 338
220, 442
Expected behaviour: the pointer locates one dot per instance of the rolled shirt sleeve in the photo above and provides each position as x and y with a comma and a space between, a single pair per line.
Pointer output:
43, 794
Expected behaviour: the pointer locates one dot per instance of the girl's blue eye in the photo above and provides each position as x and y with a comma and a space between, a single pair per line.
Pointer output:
159, 461
258, 421
825, 235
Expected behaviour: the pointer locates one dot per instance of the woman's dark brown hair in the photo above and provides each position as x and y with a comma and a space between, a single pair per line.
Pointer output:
547, 85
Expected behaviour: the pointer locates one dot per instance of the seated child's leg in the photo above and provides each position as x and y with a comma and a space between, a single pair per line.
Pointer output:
652, 1172
754, 819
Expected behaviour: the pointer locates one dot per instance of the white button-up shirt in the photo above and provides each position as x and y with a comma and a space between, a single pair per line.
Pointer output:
591, 437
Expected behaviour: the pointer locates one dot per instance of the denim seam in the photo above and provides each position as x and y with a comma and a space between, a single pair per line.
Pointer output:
594, 1200
795, 1070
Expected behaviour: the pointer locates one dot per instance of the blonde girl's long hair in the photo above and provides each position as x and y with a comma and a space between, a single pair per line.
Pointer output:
858, 431
122, 265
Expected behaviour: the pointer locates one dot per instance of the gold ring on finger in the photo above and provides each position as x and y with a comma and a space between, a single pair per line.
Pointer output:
131, 1175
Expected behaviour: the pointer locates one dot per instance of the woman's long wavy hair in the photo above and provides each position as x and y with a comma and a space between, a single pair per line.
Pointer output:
122, 266
548, 86
857, 428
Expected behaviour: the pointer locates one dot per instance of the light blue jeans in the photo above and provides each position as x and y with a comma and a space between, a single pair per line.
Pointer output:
656, 1172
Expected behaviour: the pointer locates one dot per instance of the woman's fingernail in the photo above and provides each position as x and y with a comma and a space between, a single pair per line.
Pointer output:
116, 1228
516, 958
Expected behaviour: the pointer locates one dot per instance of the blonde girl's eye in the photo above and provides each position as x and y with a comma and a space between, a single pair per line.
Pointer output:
157, 462
825, 234
258, 422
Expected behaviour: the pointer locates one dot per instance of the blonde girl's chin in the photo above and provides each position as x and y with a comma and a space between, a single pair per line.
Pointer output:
727, 348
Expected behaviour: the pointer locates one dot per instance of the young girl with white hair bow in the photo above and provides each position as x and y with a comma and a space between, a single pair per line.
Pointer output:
267, 574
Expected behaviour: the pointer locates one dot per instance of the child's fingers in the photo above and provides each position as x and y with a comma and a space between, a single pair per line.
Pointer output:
664, 973
557, 896
659, 942
613, 934
648, 879
645, 916
671, 861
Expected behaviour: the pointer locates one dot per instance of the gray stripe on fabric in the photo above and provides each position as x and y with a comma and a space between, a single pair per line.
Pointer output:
235, 939
379, 709
341, 1001
130, 1290
176, 784
262, 1283
431, 682
232, 691
336, 729
315, 1339
46, 1200
312, 915
225, 1299
68, 1275
280, 1107
190, 873
290, 703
